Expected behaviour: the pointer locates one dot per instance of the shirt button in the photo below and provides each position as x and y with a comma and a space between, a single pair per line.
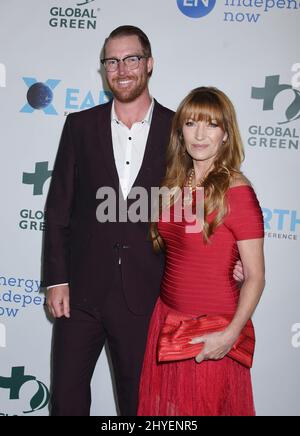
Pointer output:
127, 163
130, 138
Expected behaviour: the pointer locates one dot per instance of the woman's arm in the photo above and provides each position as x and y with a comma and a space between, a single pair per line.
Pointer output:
252, 256
217, 345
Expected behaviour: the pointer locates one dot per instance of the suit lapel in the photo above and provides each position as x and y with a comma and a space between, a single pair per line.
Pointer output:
153, 147
105, 139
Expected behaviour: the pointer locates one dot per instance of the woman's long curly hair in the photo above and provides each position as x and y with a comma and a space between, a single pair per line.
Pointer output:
204, 104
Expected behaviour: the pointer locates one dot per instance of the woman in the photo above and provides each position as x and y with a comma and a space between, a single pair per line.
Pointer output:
206, 151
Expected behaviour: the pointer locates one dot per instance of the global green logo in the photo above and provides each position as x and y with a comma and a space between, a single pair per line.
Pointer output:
17, 380
38, 178
269, 93
82, 17
85, 2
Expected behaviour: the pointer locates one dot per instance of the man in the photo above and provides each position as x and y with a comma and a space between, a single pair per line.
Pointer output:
104, 278
113, 277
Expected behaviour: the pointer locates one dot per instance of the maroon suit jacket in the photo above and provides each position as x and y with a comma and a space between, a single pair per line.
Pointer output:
77, 248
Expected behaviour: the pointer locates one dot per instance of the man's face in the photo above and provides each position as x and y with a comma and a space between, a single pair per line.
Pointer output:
127, 85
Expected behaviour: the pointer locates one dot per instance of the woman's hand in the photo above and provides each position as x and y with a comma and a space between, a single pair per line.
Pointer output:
238, 273
216, 345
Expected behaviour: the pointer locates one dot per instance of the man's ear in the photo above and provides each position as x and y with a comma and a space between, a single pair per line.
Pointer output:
150, 64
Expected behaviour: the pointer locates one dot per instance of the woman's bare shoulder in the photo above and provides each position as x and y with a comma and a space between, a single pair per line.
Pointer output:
239, 180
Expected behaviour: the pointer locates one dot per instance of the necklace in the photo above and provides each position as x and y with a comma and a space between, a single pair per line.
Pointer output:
188, 199
190, 180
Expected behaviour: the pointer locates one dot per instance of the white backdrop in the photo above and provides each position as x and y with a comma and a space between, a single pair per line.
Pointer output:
49, 62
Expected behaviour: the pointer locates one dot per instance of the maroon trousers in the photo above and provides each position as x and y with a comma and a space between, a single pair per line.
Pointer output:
77, 344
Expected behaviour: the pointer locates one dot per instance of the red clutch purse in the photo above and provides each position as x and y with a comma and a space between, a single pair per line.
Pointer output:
177, 332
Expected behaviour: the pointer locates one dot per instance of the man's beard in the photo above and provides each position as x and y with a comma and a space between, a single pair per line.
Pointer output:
128, 96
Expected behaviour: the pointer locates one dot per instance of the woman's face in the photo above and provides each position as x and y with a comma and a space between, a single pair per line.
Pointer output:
203, 139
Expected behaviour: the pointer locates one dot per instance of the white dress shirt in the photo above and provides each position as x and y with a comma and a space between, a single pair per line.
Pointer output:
129, 147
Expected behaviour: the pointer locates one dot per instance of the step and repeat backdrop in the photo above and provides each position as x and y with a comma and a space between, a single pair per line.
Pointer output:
49, 67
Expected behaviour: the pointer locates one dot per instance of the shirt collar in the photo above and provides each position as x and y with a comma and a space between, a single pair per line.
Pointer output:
147, 118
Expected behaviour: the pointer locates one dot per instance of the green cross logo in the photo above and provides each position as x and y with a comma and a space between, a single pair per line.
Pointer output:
38, 178
15, 382
269, 93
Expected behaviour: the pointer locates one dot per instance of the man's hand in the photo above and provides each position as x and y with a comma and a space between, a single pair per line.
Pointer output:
238, 272
58, 301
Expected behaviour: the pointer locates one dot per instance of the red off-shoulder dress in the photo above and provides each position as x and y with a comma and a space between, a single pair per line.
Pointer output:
198, 280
